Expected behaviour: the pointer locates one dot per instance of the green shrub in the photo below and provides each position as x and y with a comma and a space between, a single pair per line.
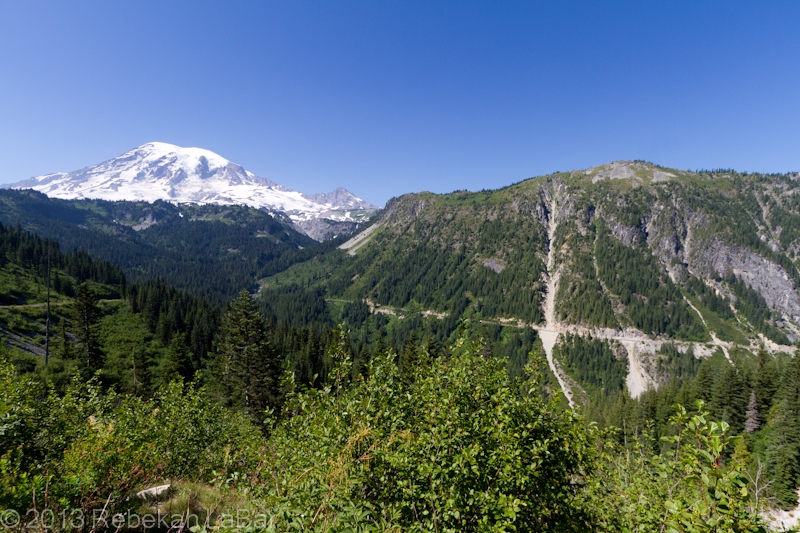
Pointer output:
456, 448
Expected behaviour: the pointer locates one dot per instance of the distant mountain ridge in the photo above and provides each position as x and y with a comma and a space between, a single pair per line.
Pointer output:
213, 251
639, 258
161, 171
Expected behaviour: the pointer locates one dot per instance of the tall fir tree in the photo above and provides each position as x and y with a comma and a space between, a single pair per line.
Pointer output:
248, 367
784, 445
703, 385
729, 401
86, 314
767, 380
178, 361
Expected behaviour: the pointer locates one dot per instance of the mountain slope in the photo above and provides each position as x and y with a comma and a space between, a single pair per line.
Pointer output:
632, 254
161, 171
212, 251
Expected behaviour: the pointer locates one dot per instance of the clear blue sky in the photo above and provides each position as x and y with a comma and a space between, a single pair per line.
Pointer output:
388, 97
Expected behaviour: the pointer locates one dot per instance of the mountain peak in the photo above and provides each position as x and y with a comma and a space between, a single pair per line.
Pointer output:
636, 171
341, 198
189, 157
163, 171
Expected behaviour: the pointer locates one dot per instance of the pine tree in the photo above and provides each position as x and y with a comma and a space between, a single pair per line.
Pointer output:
703, 385
178, 361
86, 314
753, 420
248, 366
729, 402
784, 445
767, 380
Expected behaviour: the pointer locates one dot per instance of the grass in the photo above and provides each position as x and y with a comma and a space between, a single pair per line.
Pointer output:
336, 308
199, 504
311, 273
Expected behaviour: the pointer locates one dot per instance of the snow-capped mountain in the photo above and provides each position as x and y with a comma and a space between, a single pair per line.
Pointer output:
161, 171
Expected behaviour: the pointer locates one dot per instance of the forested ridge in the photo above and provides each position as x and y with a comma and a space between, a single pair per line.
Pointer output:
211, 251
627, 253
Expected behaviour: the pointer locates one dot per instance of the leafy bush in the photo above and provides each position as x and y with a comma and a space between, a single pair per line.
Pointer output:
448, 444
456, 448
687, 487
88, 448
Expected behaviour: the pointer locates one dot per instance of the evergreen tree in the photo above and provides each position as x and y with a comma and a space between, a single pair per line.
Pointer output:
307, 364
729, 400
248, 367
753, 420
86, 314
767, 380
784, 447
178, 361
703, 386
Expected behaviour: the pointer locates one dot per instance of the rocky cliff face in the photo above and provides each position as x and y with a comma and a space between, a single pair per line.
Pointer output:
769, 279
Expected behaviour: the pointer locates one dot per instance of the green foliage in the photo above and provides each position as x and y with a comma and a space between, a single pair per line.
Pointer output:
86, 449
247, 369
653, 302
592, 362
456, 448
451, 444
687, 488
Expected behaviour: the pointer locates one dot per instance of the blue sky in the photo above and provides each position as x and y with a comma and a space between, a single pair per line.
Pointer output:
392, 97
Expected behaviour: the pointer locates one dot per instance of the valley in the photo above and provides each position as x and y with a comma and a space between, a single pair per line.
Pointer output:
613, 293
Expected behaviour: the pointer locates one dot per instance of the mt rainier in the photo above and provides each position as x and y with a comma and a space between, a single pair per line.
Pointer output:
161, 171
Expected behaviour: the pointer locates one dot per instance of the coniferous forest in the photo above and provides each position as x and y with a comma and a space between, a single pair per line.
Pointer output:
405, 387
